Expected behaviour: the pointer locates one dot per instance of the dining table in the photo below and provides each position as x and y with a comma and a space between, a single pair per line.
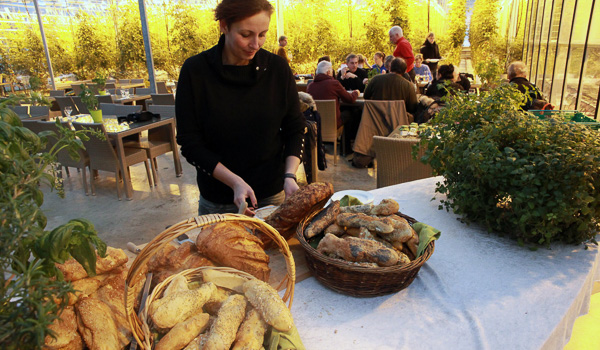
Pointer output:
136, 128
479, 290
131, 99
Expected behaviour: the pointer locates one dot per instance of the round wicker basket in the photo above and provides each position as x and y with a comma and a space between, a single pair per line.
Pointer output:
139, 324
355, 280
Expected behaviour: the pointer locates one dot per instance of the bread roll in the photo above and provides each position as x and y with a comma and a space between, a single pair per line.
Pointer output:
216, 300
65, 330
73, 271
230, 244
265, 299
363, 220
113, 295
251, 334
298, 206
365, 209
96, 325
358, 250
178, 284
223, 331
322, 220
168, 311
183, 333
386, 207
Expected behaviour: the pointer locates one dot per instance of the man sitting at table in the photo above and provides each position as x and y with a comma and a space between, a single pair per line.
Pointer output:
325, 87
352, 77
517, 74
393, 86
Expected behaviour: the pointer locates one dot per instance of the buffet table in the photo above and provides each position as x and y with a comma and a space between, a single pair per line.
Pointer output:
477, 291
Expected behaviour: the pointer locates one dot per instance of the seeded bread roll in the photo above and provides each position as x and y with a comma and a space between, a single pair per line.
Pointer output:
170, 310
251, 333
223, 331
298, 206
183, 333
265, 299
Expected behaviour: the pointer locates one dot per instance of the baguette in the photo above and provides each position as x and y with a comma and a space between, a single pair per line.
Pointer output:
251, 334
168, 311
183, 333
363, 220
223, 330
265, 299
325, 218
358, 250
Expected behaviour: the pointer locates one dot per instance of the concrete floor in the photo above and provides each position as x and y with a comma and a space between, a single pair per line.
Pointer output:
173, 200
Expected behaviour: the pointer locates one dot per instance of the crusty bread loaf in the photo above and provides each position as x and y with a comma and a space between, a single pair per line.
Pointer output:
171, 260
170, 310
358, 250
96, 324
183, 333
251, 333
223, 331
73, 271
297, 206
65, 330
230, 244
322, 220
265, 299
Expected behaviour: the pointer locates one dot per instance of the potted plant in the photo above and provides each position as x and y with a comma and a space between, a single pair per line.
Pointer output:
537, 181
100, 81
91, 102
32, 290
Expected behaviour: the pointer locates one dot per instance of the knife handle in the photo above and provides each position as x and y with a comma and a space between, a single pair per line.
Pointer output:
133, 248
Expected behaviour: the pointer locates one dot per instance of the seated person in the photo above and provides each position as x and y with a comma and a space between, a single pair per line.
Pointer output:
351, 77
363, 63
378, 66
421, 69
324, 58
393, 86
517, 74
314, 135
447, 76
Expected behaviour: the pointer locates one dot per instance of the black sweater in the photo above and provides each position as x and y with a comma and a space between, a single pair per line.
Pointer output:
246, 117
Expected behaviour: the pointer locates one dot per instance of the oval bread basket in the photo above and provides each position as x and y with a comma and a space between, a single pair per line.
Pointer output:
139, 323
355, 280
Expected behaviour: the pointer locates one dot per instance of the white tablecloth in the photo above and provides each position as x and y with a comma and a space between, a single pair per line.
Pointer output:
477, 291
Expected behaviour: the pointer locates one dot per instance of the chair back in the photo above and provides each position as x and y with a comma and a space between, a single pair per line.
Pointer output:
379, 118
110, 86
55, 93
118, 109
327, 109
20, 110
395, 163
39, 111
76, 88
143, 91
124, 81
104, 98
101, 152
64, 102
163, 99
137, 81
63, 155
94, 88
112, 91
111, 80
165, 111
161, 87
36, 127
81, 107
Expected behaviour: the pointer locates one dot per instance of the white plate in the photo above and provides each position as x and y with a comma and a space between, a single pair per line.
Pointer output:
363, 196
262, 213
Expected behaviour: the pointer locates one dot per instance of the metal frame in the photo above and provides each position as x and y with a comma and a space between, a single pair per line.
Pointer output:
584, 60
562, 8
564, 85
548, 45
537, 62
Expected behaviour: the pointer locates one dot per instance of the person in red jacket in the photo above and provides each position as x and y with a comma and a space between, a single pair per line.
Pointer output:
326, 87
403, 49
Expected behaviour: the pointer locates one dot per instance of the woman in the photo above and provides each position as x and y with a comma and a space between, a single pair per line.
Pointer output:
378, 66
430, 51
447, 76
422, 70
238, 115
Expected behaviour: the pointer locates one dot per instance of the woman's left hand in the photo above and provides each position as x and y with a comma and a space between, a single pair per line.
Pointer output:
289, 187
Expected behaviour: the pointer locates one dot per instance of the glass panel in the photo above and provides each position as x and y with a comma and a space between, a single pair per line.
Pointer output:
546, 18
591, 70
531, 30
582, 20
536, 39
554, 28
561, 53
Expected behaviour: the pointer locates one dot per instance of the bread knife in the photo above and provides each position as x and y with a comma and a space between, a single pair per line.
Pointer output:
183, 238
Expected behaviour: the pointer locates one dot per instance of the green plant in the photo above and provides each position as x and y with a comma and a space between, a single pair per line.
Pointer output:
36, 83
32, 290
534, 180
88, 98
34, 98
100, 80
489, 72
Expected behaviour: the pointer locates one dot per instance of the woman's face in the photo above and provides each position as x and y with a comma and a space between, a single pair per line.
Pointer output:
418, 61
244, 38
377, 60
431, 38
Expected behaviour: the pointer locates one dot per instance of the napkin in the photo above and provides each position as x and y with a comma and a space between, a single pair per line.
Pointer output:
426, 234
348, 200
278, 340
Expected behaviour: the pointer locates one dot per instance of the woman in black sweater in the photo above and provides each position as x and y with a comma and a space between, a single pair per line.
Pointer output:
238, 116
431, 53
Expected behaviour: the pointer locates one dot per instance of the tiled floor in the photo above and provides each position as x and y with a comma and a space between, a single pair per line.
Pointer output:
151, 210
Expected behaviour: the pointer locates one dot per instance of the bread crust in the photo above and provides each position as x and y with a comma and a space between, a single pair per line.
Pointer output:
251, 333
223, 330
96, 325
65, 329
73, 271
183, 333
322, 220
265, 299
358, 250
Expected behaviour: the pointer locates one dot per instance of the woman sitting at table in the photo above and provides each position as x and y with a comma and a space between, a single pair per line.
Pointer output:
422, 70
447, 76
379, 66
238, 115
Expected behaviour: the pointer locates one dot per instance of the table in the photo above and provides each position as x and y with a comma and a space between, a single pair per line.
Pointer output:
131, 99
136, 128
477, 291
129, 86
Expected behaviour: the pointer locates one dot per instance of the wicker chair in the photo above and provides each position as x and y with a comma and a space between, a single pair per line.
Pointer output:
118, 109
39, 111
395, 163
76, 88
163, 99
329, 130
54, 93
124, 81
110, 86
67, 101
81, 107
143, 91
161, 87
105, 98
137, 81
21, 111
103, 156
165, 111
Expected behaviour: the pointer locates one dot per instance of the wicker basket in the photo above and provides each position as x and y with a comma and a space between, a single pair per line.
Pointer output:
355, 280
139, 324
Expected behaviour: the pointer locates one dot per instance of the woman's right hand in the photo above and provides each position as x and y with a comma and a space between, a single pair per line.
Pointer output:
241, 192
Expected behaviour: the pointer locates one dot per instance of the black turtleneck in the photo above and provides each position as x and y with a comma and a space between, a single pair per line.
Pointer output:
429, 50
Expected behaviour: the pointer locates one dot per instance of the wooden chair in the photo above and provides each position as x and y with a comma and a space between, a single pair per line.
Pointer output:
161, 87
118, 109
55, 93
143, 91
104, 98
329, 130
395, 163
104, 157
163, 99
64, 102
165, 111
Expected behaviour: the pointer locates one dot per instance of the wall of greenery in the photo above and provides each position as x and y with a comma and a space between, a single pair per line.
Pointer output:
111, 42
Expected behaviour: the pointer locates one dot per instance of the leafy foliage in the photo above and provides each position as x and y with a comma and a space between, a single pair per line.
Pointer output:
88, 98
31, 298
534, 180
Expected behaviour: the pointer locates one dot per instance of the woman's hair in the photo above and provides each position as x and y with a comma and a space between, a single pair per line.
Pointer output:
380, 55
361, 58
419, 56
446, 71
232, 11
430, 34
388, 60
